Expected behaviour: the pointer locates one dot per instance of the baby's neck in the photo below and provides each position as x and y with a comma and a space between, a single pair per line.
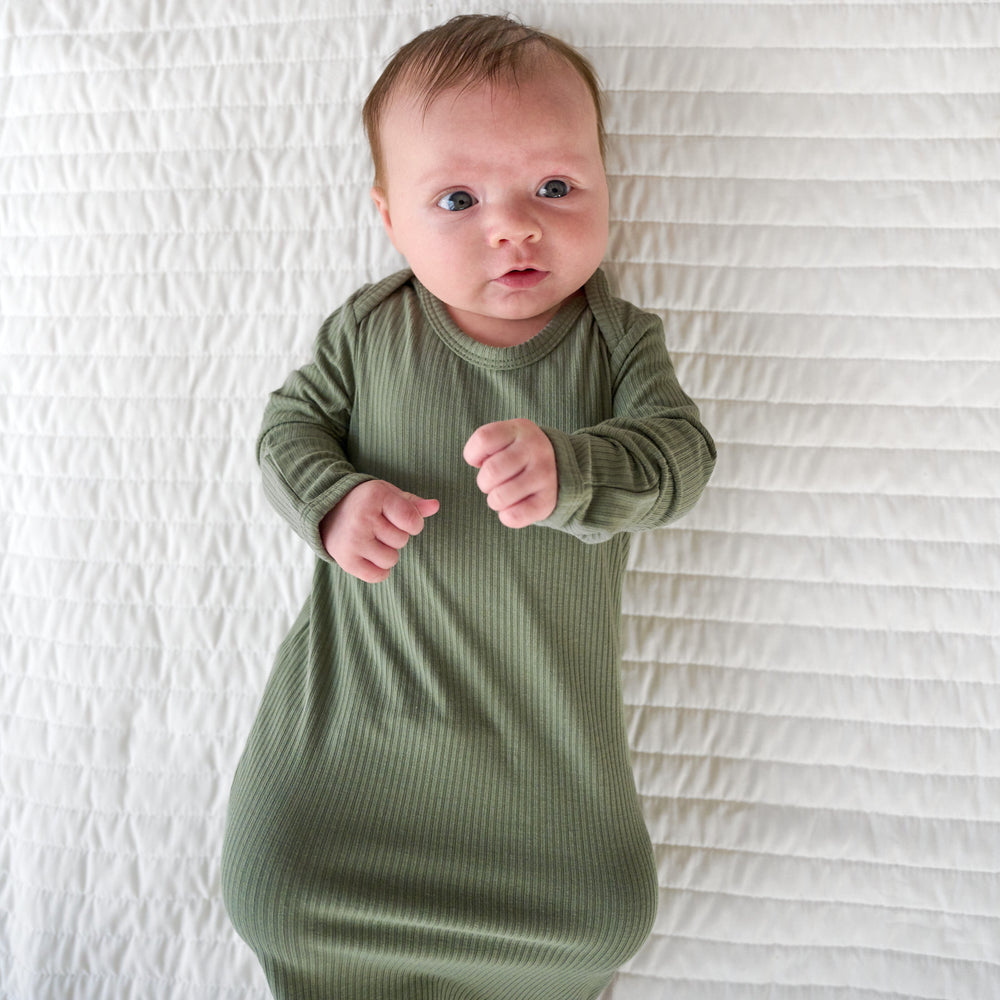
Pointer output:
496, 332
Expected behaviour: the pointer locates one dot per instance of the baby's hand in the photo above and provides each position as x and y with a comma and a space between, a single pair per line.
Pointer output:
365, 531
517, 470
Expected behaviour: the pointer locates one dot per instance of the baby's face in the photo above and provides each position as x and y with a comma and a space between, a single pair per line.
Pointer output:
498, 200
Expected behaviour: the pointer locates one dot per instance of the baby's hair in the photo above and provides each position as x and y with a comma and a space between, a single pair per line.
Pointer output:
467, 51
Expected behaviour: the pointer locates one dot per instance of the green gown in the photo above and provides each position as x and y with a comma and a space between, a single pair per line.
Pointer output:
436, 799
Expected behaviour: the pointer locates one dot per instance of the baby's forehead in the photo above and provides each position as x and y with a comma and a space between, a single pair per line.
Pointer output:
551, 112
421, 90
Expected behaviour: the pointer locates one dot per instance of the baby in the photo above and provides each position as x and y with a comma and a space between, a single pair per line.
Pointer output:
436, 800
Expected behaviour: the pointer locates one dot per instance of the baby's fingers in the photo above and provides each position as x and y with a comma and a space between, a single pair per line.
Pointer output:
489, 439
530, 510
405, 513
500, 468
374, 568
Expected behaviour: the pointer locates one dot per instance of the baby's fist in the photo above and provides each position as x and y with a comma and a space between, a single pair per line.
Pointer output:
517, 470
365, 532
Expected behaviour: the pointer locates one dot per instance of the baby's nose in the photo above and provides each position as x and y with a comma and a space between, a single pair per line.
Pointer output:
511, 224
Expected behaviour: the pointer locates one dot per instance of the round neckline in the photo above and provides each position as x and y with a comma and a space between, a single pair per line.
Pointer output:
500, 358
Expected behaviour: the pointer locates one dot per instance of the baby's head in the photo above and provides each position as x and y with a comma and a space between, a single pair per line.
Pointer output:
488, 144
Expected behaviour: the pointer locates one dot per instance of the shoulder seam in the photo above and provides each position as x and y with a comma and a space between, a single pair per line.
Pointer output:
367, 298
616, 317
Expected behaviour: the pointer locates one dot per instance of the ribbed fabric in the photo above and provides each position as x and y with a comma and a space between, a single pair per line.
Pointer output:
436, 800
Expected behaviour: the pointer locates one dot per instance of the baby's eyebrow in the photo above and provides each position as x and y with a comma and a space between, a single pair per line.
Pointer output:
446, 177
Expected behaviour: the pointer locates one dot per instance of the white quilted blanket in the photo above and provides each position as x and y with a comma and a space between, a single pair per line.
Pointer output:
808, 192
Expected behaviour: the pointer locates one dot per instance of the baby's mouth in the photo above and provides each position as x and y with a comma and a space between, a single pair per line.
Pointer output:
525, 277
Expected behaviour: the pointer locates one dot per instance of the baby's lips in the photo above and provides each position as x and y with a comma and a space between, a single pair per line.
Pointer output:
523, 277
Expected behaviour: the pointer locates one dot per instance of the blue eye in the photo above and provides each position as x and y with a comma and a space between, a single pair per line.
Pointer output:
456, 201
554, 189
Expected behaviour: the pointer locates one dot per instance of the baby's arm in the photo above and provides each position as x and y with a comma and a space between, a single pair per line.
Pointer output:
647, 464
345, 515
643, 467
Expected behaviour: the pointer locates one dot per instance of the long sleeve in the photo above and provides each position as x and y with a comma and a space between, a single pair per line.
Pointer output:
301, 446
649, 463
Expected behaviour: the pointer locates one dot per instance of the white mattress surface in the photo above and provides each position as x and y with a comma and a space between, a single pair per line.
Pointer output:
809, 193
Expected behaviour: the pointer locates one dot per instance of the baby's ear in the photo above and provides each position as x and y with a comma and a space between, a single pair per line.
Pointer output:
381, 200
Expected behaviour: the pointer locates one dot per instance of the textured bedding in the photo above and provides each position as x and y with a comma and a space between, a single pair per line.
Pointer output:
809, 195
